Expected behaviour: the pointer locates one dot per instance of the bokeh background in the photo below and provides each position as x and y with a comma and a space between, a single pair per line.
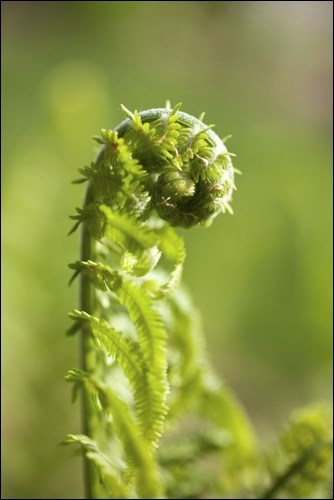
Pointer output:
262, 277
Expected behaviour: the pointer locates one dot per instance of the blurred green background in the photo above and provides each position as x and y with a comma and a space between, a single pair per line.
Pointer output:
262, 277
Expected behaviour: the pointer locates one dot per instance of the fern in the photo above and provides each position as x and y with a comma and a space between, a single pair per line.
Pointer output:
105, 468
300, 463
144, 372
139, 460
129, 356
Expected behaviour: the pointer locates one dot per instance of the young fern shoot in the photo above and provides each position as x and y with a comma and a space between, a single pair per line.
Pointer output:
143, 365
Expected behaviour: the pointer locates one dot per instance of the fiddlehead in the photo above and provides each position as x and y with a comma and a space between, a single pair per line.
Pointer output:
158, 169
163, 160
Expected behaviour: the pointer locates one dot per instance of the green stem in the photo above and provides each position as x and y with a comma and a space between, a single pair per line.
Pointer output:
86, 304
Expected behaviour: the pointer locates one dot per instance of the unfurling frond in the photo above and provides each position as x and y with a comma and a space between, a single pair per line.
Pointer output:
157, 421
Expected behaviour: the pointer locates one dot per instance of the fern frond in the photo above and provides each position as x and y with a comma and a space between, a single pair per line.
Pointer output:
112, 483
151, 335
152, 341
138, 243
116, 178
148, 401
153, 144
90, 215
218, 404
150, 329
103, 277
157, 169
142, 465
142, 263
302, 460
127, 233
151, 332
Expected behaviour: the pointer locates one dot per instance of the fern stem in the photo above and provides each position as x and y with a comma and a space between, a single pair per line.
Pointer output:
294, 468
85, 347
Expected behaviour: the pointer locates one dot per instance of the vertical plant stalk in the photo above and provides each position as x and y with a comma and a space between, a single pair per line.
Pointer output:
86, 299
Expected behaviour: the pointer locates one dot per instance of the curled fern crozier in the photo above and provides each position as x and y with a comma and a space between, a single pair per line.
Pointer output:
180, 168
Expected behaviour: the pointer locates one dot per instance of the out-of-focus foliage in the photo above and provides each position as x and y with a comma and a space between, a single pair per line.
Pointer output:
300, 464
262, 278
